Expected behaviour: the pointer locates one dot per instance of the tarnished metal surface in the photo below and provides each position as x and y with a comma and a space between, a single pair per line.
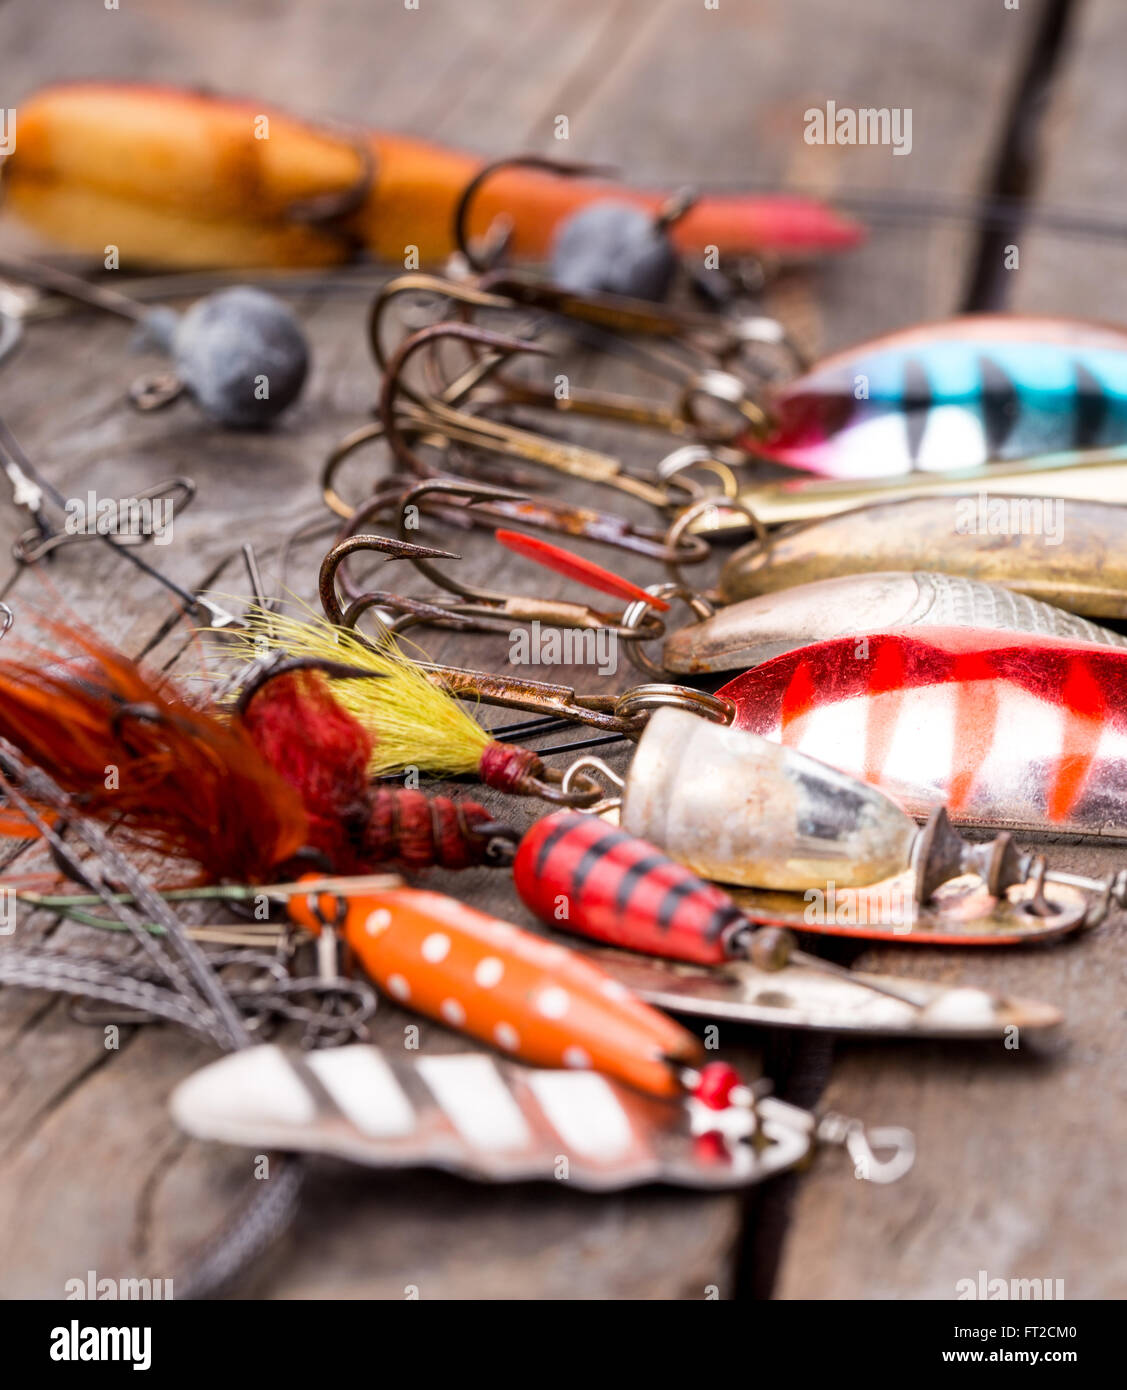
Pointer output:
742, 809
1074, 558
1097, 476
962, 913
800, 997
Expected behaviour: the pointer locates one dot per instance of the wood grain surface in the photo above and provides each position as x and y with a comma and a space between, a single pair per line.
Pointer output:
1017, 1166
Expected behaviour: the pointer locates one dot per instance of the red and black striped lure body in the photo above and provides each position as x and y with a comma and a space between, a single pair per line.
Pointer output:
1024, 732
577, 873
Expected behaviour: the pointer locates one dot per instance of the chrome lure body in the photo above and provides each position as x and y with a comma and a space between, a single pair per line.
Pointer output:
756, 629
1025, 733
494, 1120
953, 395
742, 809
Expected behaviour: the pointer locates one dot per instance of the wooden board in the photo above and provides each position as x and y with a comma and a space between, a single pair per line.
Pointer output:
1018, 1171
94, 1175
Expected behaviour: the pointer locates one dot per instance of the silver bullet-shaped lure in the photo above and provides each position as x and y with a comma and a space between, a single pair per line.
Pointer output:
853, 605
742, 809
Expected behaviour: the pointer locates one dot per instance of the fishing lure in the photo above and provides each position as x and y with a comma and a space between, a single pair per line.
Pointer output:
415, 723
459, 411
577, 873
471, 607
607, 247
489, 979
497, 1121
186, 180
1096, 475
251, 797
1060, 551
1024, 732
954, 394
735, 808
742, 809
753, 630
237, 798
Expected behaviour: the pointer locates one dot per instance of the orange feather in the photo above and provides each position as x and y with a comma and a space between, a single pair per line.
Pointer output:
132, 752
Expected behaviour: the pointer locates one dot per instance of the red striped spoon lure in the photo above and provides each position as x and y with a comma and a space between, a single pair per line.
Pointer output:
1025, 733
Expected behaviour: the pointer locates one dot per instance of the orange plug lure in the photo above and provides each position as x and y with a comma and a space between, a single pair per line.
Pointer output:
528, 997
187, 179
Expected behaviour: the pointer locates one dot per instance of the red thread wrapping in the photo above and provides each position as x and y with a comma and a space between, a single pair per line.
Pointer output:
323, 752
504, 766
421, 832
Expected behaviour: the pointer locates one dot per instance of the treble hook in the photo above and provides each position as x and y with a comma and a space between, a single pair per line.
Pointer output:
567, 169
485, 609
484, 433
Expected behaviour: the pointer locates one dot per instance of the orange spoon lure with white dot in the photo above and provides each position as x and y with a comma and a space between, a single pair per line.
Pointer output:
526, 996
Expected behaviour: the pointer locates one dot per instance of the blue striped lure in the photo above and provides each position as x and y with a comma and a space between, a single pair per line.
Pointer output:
955, 394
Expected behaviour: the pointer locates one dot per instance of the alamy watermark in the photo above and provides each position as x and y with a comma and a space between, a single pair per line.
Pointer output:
77, 1343
95, 1288
984, 515
120, 516
986, 1288
865, 125
569, 646
888, 904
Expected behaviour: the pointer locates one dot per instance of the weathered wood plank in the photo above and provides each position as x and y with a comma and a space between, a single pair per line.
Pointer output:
1018, 1170
671, 92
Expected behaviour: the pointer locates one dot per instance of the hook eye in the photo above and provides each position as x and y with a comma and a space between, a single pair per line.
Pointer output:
633, 616
726, 391
578, 778
706, 508
860, 1146
155, 391
642, 699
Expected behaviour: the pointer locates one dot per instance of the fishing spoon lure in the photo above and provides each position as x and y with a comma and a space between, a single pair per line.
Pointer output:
1058, 550
753, 630
1021, 732
494, 1120
954, 394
